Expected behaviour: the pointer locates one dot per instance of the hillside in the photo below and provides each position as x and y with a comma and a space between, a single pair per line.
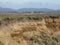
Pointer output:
30, 30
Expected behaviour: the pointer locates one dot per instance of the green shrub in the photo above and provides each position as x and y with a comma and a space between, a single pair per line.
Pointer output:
54, 43
35, 18
29, 18
56, 38
1, 43
44, 35
35, 38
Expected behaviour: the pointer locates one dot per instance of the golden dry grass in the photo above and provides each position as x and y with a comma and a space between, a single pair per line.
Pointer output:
30, 32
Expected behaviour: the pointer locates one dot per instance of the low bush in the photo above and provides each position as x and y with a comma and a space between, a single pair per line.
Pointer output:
1, 43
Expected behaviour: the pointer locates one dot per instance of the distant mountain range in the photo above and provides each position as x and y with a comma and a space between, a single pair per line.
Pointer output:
7, 10
24, 10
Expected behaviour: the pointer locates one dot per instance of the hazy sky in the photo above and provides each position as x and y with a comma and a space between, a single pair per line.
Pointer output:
16, 4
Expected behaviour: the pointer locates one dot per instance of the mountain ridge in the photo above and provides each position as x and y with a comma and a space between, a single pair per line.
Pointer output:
27, 10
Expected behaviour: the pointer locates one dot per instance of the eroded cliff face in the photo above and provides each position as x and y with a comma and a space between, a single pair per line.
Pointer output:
45, 32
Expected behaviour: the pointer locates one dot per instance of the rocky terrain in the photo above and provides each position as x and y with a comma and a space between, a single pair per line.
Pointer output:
30, 32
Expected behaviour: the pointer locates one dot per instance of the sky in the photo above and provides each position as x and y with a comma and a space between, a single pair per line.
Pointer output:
17, 4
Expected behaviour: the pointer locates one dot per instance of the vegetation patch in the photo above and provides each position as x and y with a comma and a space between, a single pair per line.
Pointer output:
1, 43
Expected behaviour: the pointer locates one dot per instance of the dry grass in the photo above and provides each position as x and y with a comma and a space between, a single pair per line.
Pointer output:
35, 29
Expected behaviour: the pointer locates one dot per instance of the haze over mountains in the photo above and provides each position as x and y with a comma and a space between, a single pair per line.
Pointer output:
9, 10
